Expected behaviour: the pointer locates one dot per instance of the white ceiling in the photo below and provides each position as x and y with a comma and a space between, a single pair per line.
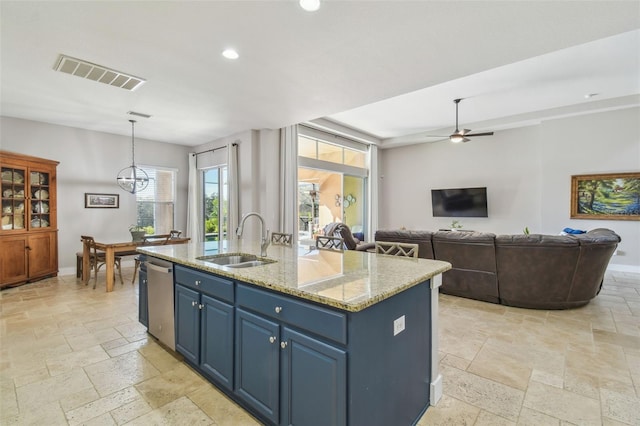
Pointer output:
388, 68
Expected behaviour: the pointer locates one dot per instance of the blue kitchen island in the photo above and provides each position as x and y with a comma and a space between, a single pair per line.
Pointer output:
307, 337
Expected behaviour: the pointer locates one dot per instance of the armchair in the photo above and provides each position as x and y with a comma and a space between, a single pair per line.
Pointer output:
341, 230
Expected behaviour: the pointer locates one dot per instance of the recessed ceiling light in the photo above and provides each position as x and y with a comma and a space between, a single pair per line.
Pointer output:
230, 54
310, 5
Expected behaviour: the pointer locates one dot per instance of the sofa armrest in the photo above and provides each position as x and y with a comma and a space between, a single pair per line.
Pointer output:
366, 247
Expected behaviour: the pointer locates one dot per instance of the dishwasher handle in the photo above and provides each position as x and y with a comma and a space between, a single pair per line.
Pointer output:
157, 268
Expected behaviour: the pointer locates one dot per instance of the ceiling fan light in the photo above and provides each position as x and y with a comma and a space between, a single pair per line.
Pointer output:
230, 54
310, 5
456, 138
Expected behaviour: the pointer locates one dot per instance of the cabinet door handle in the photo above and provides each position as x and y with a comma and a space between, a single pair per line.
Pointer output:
283, 345
28, 248
198, 282
200, 307
272, 339
278, 309
194, 303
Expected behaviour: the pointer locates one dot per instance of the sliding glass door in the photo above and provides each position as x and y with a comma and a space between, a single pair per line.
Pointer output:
326, 197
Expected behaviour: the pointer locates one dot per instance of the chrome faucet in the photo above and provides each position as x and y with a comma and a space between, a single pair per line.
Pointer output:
264, 243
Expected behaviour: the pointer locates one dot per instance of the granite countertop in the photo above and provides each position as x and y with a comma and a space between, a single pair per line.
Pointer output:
348, 280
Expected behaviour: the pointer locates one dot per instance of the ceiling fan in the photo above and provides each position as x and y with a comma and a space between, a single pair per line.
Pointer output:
462, 135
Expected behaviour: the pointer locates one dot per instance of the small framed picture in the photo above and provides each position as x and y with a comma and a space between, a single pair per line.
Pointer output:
101, 201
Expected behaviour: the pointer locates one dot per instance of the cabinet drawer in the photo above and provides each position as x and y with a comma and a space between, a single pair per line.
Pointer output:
205, 283
318, 320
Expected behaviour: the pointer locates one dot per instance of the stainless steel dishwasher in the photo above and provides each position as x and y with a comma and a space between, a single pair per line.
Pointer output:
160, 292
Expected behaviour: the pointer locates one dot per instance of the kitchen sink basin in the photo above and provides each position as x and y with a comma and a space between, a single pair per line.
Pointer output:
236, 260
249, 264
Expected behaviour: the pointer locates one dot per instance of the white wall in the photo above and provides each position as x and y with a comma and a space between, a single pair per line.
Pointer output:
90, 162
259, 173
527, 173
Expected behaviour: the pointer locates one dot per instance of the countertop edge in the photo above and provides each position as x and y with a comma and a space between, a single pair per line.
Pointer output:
354, 307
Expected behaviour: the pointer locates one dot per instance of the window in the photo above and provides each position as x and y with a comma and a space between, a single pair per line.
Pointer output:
215, 203
156, 203
332, 183
316, 149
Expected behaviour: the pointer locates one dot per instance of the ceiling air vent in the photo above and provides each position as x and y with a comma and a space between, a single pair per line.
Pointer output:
98, 73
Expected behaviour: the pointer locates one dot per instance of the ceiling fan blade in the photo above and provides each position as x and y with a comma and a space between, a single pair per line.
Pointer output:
465, 139
464, 132
479, 134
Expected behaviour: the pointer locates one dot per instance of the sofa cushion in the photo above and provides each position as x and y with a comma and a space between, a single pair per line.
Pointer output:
598, 236
596, 248
472, 255
536, 271
466, 250
533, 240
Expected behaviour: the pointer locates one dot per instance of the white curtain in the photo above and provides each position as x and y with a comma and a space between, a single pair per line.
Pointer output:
374, 180
289, 180
194, 228
234, 193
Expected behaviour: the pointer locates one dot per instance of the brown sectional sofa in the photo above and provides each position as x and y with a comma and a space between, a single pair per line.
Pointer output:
527, 271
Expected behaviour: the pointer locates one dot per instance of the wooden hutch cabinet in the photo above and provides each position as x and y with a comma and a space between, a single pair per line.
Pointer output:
29, 232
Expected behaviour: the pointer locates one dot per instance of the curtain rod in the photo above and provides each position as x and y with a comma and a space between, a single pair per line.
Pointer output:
213, 149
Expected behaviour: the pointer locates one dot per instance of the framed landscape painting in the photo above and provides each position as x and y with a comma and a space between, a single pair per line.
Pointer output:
101, 201
612, 196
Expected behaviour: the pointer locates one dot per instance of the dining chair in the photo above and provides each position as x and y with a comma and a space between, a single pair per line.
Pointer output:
397, 249
324, 242
97, 258
135, 268
156, 239
279, 238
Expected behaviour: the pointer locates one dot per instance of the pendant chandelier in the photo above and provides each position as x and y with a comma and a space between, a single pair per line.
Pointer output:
133, 179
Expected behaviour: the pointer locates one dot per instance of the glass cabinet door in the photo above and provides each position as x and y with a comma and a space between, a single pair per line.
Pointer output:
40, 200
13, 198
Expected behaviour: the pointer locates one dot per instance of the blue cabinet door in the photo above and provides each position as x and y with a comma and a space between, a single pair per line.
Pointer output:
187, 323
216, 342
314, 381
143, 299
257, 364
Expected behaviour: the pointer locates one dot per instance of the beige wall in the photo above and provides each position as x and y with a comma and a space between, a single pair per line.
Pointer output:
526, 171
90, 162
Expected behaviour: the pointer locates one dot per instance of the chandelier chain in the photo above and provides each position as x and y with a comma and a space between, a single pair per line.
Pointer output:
133, 144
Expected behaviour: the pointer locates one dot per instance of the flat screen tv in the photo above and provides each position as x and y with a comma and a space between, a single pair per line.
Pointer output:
459, 202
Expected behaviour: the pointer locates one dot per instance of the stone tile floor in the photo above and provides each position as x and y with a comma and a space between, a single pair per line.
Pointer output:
73, 355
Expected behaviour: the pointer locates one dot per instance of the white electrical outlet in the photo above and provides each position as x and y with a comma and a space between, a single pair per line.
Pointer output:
398, 325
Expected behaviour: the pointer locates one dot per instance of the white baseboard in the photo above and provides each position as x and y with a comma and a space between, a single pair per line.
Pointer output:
436, 390
71, 270
623, 268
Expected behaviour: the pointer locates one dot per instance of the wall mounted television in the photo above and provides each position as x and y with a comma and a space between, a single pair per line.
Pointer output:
459, 202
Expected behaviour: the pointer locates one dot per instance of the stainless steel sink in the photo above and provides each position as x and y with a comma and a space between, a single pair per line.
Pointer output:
249, 264
236, 260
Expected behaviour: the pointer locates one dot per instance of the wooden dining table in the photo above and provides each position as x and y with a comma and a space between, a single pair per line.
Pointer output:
111, 249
